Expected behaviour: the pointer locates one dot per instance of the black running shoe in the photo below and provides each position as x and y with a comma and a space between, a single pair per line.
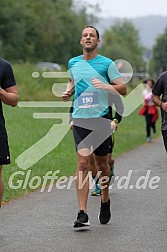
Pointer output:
82, 220
105, 213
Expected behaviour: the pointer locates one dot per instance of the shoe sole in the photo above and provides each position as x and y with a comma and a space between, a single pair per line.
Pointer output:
95, 194
81, 224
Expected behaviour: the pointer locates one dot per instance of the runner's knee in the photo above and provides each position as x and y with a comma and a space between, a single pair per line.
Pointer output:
83, 165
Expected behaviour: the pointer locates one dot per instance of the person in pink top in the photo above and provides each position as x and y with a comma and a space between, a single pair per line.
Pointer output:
149, 109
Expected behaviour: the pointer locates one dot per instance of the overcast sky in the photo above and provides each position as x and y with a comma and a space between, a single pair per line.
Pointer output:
130, 8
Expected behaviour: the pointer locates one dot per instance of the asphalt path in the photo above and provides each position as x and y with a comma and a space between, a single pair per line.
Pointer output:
43, 221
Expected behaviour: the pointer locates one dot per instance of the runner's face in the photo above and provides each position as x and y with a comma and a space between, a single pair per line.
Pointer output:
89, 39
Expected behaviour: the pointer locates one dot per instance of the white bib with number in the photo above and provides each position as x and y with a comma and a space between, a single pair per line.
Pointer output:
88, 100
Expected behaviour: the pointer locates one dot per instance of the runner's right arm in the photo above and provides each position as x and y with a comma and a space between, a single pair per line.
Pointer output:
69, 90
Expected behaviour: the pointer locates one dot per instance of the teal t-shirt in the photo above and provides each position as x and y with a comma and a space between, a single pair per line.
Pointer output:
90, 102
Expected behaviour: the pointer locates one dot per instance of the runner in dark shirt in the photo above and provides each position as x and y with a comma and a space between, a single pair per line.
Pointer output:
159, 97
9, 96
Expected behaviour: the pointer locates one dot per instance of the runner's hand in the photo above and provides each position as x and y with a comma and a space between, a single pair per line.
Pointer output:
66, 95
71, 124
98, 84
113, 126
164, 106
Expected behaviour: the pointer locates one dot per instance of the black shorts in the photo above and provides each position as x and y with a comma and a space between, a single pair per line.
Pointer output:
4, 149
93, 133
164, 134
111, 146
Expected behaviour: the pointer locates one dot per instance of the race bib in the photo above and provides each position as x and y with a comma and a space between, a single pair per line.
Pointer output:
88, 100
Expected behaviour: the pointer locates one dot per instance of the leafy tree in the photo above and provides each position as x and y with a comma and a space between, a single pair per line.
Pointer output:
121, 41
33, 30
12, 28
160, 53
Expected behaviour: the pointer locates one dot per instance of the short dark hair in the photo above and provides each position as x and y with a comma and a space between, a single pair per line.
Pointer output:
90, 26
145, 82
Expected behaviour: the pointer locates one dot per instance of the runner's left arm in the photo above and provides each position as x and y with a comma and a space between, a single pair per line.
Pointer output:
9, 96
118, 86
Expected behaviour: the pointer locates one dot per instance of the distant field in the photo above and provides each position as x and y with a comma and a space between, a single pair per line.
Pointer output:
24, 131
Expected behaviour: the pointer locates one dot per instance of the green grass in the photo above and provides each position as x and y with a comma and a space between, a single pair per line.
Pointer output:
30, 88
24, 131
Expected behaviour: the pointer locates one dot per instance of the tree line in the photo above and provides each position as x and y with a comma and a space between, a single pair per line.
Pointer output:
34, 30
159, 60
